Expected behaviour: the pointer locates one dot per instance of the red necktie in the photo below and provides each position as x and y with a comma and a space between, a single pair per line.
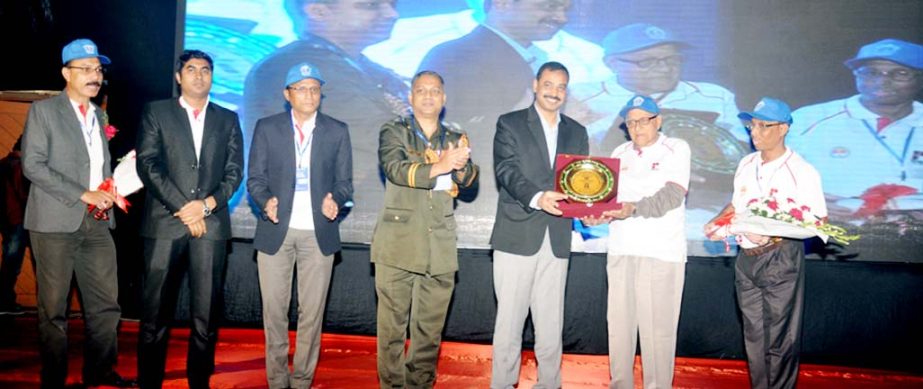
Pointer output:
195, 113
883, 122
83, 110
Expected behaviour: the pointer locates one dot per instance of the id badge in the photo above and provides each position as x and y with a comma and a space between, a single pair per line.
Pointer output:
915, 165
302, 181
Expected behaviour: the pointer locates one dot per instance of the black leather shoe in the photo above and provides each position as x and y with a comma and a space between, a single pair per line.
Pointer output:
113, 379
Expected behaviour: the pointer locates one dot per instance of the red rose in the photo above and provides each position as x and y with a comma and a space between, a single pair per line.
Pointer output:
752, 201
791, 200
110, 131
796, 213
805, 208
773, 205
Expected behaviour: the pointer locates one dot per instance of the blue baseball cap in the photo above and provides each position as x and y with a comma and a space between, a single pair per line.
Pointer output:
769, 109
637, 36
644, 103
82, 48
894, 50
301, 71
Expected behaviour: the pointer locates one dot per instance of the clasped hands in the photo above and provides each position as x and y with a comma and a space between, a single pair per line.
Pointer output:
329, 208
450, 159
193, 216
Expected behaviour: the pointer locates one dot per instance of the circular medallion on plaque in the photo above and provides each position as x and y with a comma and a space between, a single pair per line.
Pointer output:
587, 181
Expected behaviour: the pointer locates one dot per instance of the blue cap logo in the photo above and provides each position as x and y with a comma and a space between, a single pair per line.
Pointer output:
885, 49
644, 103
655, 32
759, 106
637, 101
305, 70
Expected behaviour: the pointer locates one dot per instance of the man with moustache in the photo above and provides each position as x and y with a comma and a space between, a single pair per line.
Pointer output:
769, 271
363, 94
66, 156
869, 147
300, 189
414, 245
190, 158
531, 242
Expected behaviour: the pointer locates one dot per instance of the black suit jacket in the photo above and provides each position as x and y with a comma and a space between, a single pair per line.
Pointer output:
523, 169
167, 165
271, 172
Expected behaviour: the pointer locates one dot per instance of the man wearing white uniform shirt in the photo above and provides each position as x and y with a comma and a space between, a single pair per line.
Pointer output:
770, 269
647, 248
648, 60
873, 138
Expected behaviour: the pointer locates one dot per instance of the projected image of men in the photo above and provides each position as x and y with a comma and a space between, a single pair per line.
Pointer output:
332, 35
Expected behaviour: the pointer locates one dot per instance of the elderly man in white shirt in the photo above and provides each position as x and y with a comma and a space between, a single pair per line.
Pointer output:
647, 248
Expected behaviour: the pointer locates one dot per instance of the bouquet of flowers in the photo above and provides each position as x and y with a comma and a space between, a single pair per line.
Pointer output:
786, 218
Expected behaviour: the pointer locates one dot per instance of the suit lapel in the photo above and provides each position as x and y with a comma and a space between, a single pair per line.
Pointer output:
183, 130
286, 137
70, 127
535, 127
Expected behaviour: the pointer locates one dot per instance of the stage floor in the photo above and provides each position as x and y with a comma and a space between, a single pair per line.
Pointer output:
348, 361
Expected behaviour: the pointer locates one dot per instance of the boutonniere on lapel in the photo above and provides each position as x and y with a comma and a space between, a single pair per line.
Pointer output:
108, 129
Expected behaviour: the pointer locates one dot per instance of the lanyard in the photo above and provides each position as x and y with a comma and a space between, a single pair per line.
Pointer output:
301, 148
419, 133
87, 127
903, 155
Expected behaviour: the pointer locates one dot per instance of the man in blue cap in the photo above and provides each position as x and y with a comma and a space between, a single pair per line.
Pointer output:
299, 231
869, 147
648, 60
646, 259
769, 273
66, 156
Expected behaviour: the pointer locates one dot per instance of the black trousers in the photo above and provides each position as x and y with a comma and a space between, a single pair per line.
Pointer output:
89, 255
166, 261
770, 294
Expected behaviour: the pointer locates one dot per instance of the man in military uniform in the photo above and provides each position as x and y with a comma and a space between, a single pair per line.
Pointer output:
332, 35
414, 244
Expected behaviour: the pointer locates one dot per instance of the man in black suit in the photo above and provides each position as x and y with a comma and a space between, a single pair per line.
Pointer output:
66, 156
190, 158
531, 241
300, 175
490, 70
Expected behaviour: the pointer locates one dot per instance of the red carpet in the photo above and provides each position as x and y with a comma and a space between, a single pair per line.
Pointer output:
349, 362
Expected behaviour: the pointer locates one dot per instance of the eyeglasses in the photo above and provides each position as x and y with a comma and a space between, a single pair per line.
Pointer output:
761, 126
647, 63
89, 69
639, 122
894, 75
305, 90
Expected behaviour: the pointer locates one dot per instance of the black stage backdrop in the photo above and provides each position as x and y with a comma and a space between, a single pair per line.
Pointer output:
856, 313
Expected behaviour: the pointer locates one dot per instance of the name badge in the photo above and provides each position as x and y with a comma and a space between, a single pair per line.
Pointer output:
915, 165
302, 181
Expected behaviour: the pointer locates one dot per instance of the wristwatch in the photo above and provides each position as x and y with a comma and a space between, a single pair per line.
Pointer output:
205, 209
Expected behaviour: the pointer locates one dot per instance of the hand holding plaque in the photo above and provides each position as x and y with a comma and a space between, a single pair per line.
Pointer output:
591, 184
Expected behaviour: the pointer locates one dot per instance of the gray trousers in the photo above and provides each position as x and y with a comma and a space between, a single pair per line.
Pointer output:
299, 253
770, 294
522, 284
645, 295
422, 302
89, 255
